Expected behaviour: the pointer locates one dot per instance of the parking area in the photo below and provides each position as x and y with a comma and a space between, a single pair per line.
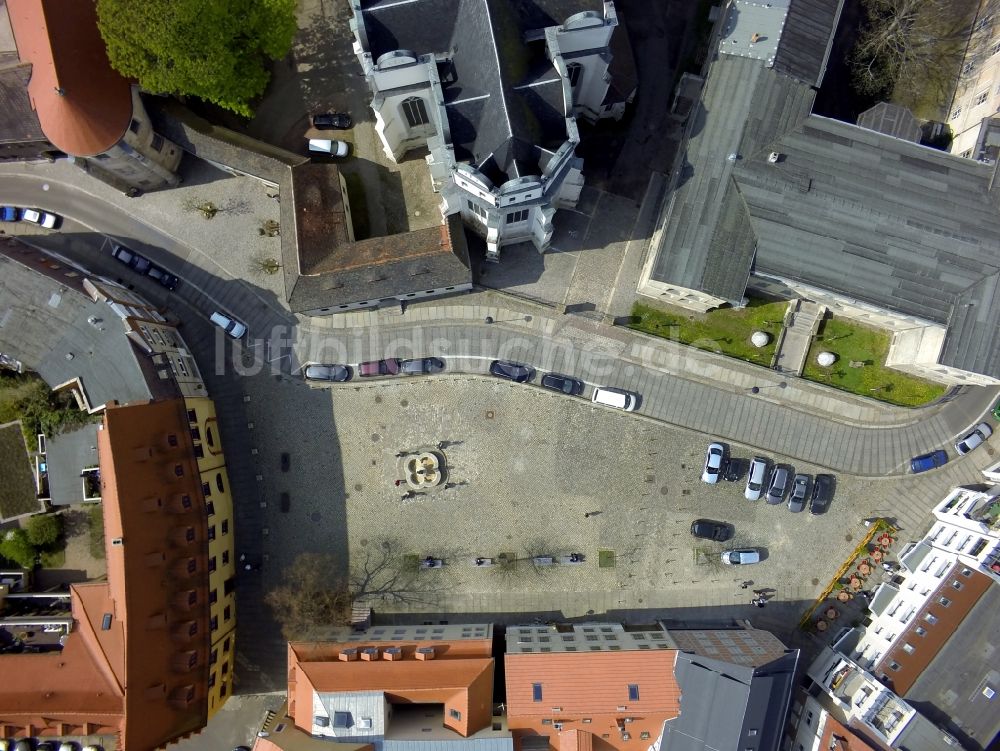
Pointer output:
531, 473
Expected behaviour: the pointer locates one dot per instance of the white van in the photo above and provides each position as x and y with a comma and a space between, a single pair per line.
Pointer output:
230, 325
617, 398
329, 146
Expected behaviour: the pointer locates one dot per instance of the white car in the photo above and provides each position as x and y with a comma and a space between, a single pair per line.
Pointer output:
740, 557
714, 458
235, 329
39, 217
617, 398
328, 146
974, 439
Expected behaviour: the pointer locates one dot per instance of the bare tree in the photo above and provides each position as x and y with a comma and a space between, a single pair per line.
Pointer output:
384, 572
312, 598
911, 48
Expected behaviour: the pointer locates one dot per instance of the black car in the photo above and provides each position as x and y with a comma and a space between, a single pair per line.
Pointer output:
165, 278
332, 120
512, 371
734, 469
421, 366
565, 384
709, 530
822, 494
317, 372
139, 264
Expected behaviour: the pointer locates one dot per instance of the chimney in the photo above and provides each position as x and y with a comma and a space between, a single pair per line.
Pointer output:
425, 653
392, 653
369, 653
348, 655
755, 38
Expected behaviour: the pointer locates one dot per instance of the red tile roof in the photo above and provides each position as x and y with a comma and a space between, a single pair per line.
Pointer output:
83, 105
588, 693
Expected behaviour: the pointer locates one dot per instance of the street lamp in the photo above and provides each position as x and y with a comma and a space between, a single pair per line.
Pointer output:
526, 319
756, 389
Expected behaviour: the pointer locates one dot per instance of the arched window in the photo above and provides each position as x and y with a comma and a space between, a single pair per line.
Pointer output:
573, 71
415, 111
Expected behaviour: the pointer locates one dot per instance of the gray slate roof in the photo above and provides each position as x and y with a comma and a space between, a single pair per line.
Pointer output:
506, 100
721, 702
807, 38
66, 455
18, 121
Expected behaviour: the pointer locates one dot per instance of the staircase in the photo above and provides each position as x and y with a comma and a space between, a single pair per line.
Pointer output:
801, 323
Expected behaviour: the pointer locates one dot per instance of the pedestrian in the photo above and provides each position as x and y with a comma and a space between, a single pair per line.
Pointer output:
397, 483
761, 602
744, 585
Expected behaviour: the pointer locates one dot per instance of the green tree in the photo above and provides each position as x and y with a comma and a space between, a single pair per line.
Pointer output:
15, 546
311, 599
216, 50
44, 530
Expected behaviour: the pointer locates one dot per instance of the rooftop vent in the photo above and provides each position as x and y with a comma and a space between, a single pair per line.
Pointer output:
425, 653
321, 721
348, 655
369, 653
392, 653
755, 37
774, 157
342, 720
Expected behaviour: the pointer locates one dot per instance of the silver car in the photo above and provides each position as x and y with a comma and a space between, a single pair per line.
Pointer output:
778, 485
740, 557
974, 439
714, 459
756, 478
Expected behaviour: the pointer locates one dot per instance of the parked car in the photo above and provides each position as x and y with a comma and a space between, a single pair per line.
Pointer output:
41, 218
317, 372
710, 530
10, 214
715, 458
330, 147
617, 398
995, 412
162, 276
741, 557
924, 462
512, 371
974, 439
800, 493
336, 120
822, 494
235, 329
778, 485
421, 366
756, 477
388, 366
734, 469
139, 264
563, 383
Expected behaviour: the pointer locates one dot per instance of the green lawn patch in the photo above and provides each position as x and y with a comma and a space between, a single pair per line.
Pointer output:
95, 522
854, 342
726, 330
411, 562
18, 494
605, 559
54, 558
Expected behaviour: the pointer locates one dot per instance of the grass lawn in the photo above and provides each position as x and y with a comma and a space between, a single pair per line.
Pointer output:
605, 559
851, 341
54, 558
95, 524
726, 330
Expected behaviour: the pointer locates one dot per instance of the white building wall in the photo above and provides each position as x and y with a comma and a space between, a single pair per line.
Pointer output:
581, 43
977, 92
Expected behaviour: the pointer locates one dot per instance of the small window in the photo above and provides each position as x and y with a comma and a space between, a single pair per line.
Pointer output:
454, 714
909, 648
515, 217
179, 470
211, 532
157, 142
920, 631
633, 692
225, 645
214, 623
134, 126
944, 602
211, 680
227, 613
894, 665
966, 572
212, 565
752, 732
206, 489
956, 113
573, 71
225, 526
210, 508
809, 719
195, 433
172, 440
214, 657
956, 584
536, 691
219, 484
980, 98
968, 67
199, 452
414, 111
213, 596
930, 618
225, 557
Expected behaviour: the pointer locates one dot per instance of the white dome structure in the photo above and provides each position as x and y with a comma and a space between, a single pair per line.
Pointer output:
760, 338
826, 359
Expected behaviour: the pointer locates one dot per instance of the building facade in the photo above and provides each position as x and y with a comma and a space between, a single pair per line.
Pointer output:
975, 103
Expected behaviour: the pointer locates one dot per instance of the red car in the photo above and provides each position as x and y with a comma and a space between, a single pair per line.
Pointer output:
389, 366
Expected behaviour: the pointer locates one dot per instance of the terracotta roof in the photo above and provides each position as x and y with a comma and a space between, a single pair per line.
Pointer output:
839, 737
574, 686
947, 619
83, 105
460, 676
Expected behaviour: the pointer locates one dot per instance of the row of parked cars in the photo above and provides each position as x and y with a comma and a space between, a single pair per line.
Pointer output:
707, 529
773, 482
389, 366
606, 395
32, 216
973, 440
142, 265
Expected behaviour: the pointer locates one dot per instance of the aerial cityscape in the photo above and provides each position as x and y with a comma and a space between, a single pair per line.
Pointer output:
499, 375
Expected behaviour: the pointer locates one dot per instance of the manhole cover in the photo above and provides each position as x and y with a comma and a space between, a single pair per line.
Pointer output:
359, 487
815, 582
848, 537
685, 492
378, 399
363, 543
664, 490
489, 414
650, 478
315, 516
683, 466
404, 402
376, 438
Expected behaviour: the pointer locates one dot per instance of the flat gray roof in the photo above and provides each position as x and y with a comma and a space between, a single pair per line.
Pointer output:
66, 455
